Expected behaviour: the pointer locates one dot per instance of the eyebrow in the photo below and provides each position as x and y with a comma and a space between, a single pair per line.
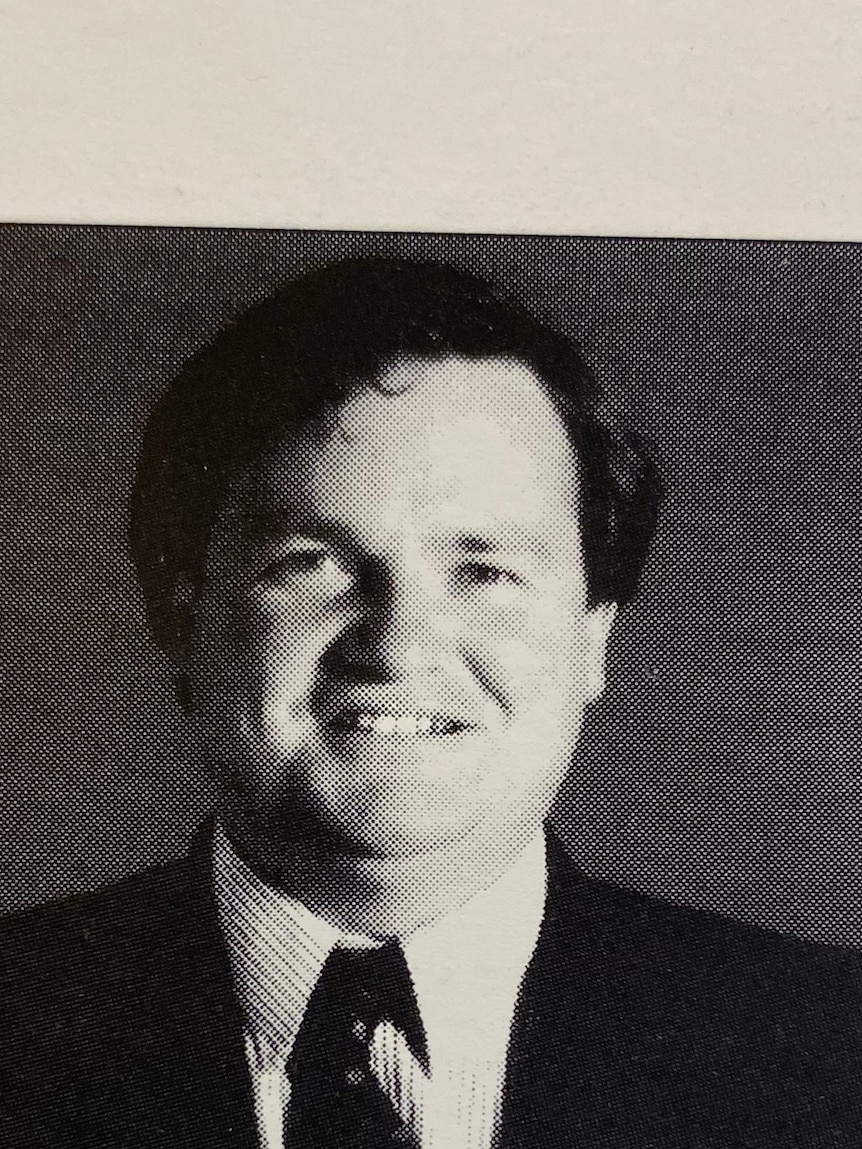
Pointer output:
480, 544
271, 523
508, 537
266, 524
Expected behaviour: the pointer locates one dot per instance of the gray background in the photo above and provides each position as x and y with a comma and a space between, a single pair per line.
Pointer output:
722, 767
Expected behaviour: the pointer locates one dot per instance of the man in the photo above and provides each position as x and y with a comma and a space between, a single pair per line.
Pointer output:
383, 535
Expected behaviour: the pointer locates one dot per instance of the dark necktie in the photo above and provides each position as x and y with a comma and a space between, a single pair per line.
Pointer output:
336, 1101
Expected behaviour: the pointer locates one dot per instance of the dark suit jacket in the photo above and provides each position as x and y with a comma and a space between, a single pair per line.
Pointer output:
639, 1025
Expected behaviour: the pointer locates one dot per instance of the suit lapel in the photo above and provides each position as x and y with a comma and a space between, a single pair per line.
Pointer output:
583, 1060
536, 1077
181, 1073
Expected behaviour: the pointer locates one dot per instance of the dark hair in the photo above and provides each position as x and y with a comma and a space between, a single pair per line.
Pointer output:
301, 353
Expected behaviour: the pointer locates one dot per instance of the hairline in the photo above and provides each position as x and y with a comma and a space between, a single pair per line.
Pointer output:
322, 426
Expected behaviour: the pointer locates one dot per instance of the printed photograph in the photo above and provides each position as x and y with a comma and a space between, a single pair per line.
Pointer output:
429, 691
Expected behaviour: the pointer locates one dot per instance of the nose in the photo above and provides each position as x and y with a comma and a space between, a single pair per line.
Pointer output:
403, 628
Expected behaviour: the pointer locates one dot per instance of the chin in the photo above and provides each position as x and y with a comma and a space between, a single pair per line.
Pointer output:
398, 837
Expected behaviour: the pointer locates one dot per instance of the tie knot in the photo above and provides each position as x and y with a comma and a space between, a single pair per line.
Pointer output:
337, 1095
356, 991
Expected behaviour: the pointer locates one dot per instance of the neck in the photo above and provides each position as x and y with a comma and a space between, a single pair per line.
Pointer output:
385, 896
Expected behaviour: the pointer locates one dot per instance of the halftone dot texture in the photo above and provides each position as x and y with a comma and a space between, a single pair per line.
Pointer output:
721, 767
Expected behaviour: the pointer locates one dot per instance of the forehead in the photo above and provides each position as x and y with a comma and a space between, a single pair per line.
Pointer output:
445, 438
490, 393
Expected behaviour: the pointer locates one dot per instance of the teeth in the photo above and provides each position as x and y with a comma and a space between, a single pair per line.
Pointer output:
397, 725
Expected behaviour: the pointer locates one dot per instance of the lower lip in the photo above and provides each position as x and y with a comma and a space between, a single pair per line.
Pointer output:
355, 741
396, 734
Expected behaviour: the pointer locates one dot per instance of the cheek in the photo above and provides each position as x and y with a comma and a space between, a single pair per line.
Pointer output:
535, 654
251, 654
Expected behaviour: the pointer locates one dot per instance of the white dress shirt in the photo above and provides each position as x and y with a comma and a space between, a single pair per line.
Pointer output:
466, 968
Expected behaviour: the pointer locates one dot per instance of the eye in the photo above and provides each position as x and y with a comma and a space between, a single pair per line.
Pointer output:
488, 574
307, 569
294, 563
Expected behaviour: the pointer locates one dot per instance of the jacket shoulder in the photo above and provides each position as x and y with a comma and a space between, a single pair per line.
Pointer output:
118, 1023
715, 1031
132, 901
727, 942
70, 957
701, 962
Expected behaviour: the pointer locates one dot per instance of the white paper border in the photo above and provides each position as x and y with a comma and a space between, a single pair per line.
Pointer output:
683, 118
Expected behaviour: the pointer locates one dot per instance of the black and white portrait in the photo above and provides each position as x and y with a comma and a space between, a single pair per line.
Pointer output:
429, 691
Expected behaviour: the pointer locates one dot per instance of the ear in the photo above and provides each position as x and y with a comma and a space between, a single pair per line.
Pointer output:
598, 627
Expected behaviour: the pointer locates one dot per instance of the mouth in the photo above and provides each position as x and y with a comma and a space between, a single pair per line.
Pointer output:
396, 724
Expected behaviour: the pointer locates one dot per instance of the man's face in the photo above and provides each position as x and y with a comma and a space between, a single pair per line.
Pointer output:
394, 638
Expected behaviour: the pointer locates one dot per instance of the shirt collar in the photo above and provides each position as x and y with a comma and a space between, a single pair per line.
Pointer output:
466, 965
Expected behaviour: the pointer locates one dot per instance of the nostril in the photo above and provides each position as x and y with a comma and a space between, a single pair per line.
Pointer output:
375, 584
350, 664
394, 634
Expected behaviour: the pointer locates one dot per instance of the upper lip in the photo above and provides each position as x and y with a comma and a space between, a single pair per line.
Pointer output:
346, 708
